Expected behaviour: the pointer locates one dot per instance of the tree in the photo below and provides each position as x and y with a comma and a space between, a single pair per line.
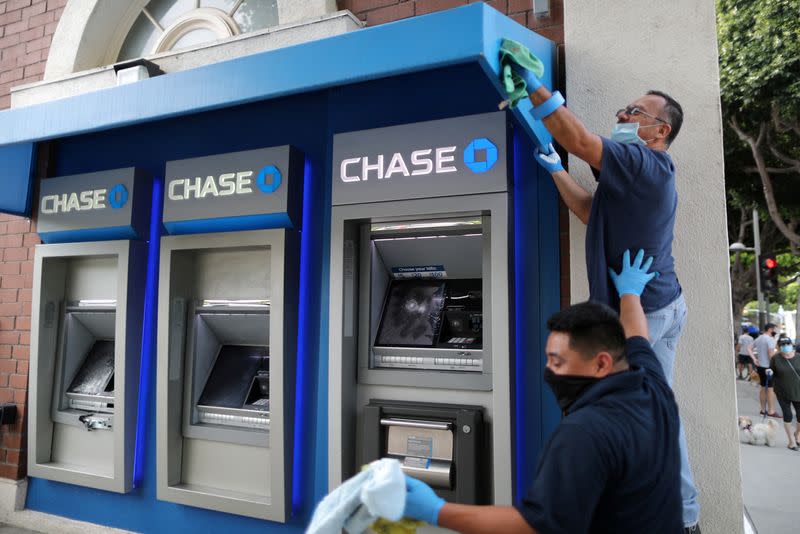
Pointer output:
759, 48
759, 45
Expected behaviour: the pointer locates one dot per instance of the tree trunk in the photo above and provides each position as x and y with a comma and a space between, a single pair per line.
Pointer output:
755, 144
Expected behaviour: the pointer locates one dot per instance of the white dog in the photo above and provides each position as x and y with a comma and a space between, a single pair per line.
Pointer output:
757, 434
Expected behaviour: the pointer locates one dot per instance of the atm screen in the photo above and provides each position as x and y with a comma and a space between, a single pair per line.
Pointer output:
412, 313
96, 374
239, 379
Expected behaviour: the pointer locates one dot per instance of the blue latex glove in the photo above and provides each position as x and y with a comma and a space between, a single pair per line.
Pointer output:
633, 277
531, 80
551, 161
421, 502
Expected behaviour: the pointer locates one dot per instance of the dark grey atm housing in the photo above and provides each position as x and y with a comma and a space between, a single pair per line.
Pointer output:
441, 444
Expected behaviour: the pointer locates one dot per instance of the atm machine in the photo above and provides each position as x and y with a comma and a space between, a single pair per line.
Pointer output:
86, 328
228, 332
419, 311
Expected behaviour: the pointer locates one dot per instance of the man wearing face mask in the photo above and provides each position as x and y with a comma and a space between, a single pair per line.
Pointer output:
612, 464
765, 348
634, 206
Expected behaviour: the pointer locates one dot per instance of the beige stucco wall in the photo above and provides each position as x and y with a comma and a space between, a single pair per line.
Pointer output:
615, 51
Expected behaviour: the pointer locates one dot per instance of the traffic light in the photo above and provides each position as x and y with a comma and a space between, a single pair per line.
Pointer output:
769, 275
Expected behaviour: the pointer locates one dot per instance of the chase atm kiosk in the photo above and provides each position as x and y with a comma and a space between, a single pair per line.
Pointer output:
227, 331
86, 329
419, 334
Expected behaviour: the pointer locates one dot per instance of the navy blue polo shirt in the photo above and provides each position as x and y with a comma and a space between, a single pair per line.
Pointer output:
633, 208
613, 465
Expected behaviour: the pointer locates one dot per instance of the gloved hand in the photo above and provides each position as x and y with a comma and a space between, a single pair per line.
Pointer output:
531, 80
551, 161
633, 277
421, 502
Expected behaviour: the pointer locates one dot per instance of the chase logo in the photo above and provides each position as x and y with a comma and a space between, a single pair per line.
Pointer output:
480, 155
118, 196
269, 179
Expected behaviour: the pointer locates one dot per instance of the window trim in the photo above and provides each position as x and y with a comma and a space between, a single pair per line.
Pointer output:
206, 18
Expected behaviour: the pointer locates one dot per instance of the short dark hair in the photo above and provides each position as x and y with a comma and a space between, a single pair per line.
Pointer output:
592, 327
769, 325
674, 113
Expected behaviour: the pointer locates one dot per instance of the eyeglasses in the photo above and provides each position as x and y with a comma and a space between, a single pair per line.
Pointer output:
635, 110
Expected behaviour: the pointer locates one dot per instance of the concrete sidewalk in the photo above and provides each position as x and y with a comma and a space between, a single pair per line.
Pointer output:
770, 475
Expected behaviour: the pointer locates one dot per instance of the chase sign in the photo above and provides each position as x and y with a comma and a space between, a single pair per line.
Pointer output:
446, 157
101, 205
238, 190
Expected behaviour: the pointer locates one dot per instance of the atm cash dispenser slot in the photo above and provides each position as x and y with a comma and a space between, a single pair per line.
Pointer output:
86, 361
440, 444
229, 372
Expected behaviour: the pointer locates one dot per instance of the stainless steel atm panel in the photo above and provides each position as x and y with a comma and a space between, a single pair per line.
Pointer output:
226, 350
421, 252
85, 352
419, 356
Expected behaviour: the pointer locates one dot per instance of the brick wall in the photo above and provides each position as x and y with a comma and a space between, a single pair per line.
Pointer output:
376, 12
17, 238
26, 29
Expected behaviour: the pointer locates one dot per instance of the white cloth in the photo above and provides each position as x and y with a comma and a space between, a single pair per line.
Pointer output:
378, 491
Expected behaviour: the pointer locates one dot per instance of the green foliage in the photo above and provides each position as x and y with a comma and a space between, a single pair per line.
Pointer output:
759, 57
759, 49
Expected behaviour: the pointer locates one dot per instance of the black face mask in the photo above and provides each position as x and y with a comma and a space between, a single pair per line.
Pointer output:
567, 388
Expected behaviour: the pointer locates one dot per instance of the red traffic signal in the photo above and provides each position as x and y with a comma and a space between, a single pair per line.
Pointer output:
770, 263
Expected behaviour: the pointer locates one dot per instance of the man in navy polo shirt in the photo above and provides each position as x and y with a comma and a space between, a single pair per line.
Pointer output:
634, 206
613, 463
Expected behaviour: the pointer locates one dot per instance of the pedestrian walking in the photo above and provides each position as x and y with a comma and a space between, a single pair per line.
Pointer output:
765, 348
744, 350
786, 378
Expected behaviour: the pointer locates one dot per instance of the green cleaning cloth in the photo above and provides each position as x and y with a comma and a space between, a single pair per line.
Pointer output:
514, 84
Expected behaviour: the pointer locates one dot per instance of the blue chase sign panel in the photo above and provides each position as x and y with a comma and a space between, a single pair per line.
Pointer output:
247, 190
111, 204
446, 157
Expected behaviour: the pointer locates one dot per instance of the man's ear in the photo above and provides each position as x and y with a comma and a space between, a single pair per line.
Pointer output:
665, 130
604, 364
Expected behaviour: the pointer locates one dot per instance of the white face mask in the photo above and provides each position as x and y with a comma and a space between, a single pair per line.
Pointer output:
628, 132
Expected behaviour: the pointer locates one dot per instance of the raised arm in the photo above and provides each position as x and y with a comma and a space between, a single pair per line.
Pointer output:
631, 315
577, 199
569, 131
630, 283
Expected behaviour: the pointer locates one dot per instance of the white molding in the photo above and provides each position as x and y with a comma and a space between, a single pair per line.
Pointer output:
126, 22
241, 45
207, 18
89, 32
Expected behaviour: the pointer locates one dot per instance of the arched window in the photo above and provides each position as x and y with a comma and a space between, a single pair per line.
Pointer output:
165, 25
